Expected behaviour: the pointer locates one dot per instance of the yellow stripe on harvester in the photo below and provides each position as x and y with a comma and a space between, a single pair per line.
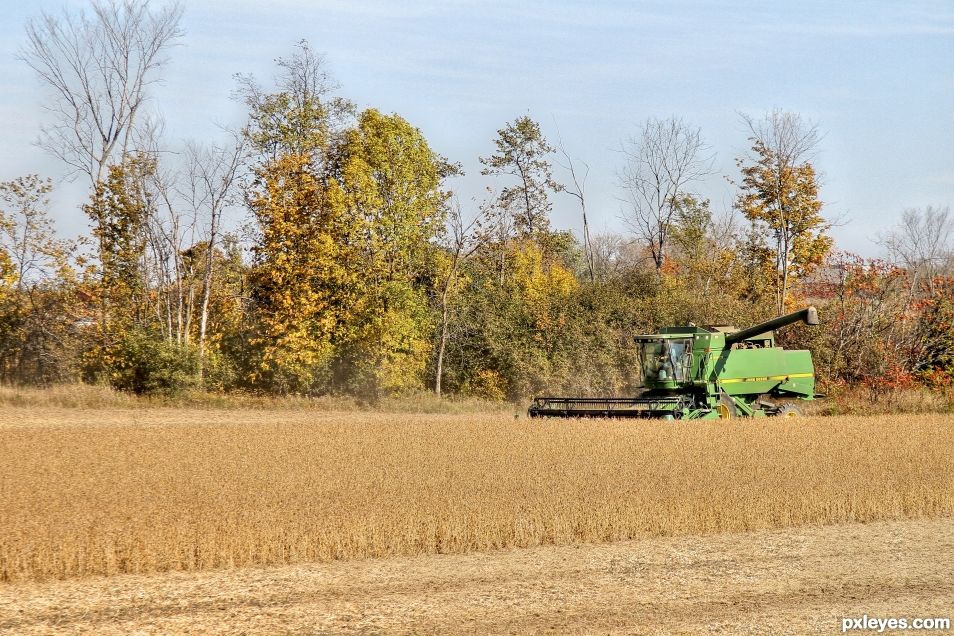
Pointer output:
771, 377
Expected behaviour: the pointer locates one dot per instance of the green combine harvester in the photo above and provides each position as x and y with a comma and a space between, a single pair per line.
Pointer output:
694, 373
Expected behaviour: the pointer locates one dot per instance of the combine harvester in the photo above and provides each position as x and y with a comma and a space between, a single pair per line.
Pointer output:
695, 373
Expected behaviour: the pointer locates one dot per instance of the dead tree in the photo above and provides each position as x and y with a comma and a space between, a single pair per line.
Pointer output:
99, 68
578, 191
661, 162
213, 173
923, 243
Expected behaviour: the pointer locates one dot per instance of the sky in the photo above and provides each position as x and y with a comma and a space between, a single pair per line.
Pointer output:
876, 77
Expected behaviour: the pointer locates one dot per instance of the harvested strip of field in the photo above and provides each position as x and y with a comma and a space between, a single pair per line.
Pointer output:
795, 581
129, 491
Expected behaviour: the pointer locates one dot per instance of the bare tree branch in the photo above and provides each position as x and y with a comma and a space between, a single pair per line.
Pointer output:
923, 243
578, 191
213, 175
661, 162
99, 68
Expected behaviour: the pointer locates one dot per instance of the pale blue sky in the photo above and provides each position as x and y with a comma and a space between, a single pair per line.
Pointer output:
878, 77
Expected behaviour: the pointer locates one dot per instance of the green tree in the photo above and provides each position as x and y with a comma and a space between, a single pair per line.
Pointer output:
690, 235
522, 152
520, 336
935, 362
225, 360
705, 278
133, 350
459, 241
302, 115
10, 318
118, 210
38, 303
143, 361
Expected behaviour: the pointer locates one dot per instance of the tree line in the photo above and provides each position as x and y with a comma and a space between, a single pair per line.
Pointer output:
321, 249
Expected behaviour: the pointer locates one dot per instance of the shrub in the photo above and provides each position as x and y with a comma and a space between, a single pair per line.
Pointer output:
144, 362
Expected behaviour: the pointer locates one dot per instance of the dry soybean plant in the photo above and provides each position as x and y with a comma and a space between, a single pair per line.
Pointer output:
95, 492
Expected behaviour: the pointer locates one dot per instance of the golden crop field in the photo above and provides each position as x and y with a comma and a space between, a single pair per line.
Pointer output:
124, 490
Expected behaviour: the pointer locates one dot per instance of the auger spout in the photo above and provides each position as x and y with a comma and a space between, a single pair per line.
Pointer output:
809, 316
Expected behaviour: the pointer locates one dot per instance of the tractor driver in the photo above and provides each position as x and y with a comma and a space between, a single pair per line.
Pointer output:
666, 370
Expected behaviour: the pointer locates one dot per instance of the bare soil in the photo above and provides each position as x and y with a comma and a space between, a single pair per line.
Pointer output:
792, 581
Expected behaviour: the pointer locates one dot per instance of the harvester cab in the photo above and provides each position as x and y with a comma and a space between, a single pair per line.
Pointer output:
706, 373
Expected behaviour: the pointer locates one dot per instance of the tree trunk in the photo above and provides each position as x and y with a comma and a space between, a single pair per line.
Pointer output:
445, 323
587, 246
442, 347
207, 291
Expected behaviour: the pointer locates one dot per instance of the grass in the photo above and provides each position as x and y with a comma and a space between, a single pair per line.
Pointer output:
100, 492
841, 401
862, 401
87, 396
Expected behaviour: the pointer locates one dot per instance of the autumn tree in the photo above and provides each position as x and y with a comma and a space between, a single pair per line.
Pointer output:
523, 152
298, 285
8, 271
662, 161
869, 336
133, 349
779, 195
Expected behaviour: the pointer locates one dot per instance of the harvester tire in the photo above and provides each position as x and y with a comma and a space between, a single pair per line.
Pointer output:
726, 407
788, 410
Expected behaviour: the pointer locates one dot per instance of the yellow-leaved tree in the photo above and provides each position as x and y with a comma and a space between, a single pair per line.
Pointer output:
780, 196
385, 184
300, 286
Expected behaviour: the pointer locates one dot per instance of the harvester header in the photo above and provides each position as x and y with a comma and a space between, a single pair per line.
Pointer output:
692, 372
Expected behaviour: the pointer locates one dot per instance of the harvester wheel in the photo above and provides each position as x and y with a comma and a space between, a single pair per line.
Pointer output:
789, 410
726, 407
